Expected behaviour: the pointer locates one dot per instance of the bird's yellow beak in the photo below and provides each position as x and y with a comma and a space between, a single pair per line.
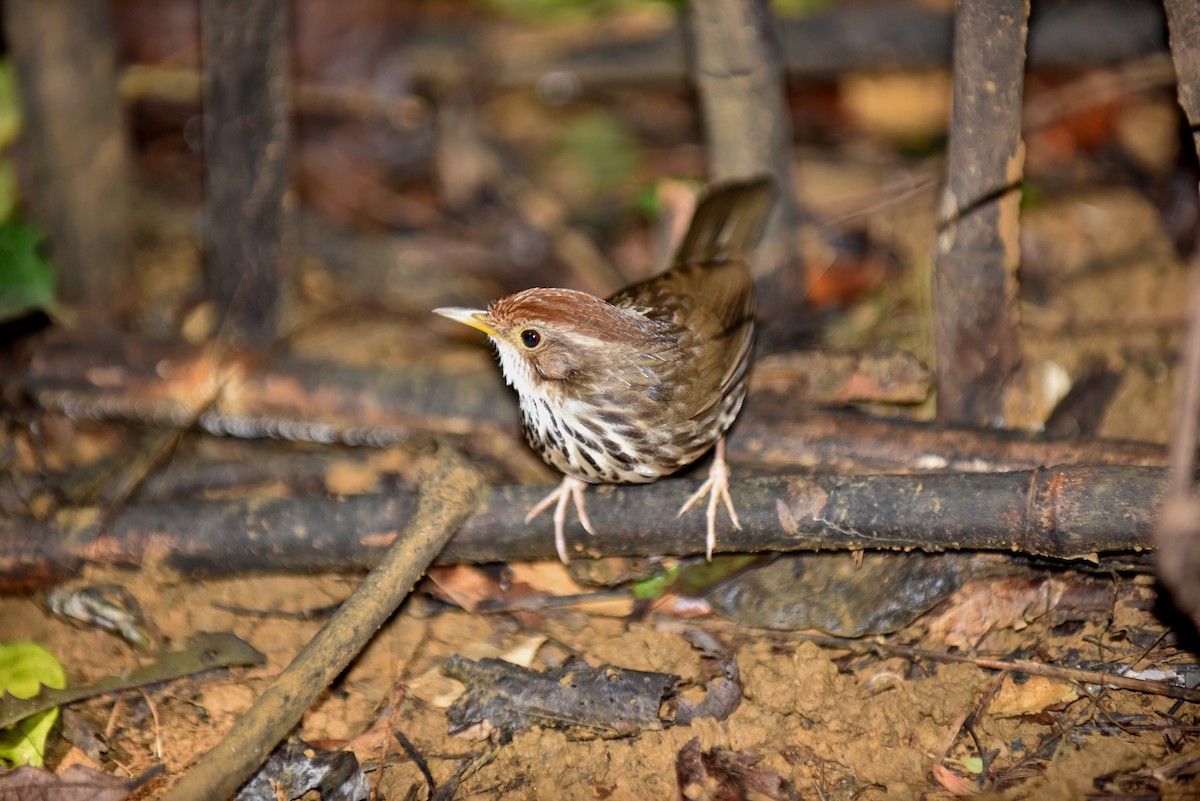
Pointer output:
476, 318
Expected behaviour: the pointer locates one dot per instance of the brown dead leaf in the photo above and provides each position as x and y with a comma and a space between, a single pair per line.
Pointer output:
77, 756
723, 775
1031, 696
77, 783
620, 607
899, 106
435, 689
471, 587
552, 578
464, 585
983, 606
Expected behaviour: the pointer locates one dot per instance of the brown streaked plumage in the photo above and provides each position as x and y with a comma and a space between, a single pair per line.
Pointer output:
630, 389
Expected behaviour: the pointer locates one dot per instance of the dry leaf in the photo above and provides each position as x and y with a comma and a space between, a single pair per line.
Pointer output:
1031, 696
77, 783
464, 585
983, 606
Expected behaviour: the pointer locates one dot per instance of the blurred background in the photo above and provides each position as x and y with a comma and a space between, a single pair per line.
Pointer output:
447, 153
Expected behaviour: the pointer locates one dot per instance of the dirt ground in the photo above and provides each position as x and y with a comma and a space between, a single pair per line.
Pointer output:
836, 723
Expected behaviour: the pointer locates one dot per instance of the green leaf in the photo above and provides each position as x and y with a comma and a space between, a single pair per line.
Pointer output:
655, 586
24, 668
693, 578
26, 278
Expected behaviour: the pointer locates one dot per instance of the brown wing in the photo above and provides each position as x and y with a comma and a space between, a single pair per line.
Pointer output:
707, 297
728, 222
710, 310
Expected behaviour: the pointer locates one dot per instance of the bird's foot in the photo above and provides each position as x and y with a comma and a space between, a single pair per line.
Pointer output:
571, 488
716, 486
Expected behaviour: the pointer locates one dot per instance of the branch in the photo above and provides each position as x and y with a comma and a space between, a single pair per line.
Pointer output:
158, 383
974, 279
1064, 513
74, 144
246, 165
816, 46
1179, 528
448, 496
740, 84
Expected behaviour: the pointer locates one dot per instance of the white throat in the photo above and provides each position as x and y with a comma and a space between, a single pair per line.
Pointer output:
518, 372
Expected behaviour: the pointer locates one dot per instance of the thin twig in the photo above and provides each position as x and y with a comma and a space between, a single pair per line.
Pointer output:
981, 709
416, 758
1079, 675
158, 746
448, 497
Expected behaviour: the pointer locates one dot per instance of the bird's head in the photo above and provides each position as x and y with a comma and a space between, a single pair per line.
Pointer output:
551, 339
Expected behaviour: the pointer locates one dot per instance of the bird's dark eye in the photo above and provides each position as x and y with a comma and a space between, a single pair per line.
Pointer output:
530, 338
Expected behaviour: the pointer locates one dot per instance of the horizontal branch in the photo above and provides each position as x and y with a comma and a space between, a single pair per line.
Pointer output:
168, 384
1065, 513
843, 38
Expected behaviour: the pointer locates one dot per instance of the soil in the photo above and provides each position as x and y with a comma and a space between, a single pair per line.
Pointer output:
837, 723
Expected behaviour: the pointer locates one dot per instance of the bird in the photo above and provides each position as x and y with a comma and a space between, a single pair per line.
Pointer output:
629, 389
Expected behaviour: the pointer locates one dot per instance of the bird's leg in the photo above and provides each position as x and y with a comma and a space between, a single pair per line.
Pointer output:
570, 488
717, 484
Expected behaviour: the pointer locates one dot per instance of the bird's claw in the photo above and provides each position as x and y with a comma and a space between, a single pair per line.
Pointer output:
571, 488
716, 486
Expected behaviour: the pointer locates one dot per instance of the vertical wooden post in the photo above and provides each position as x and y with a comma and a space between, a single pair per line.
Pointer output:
245, 163
1178, 535
740, 83
75, 142
974, 278
1183, 25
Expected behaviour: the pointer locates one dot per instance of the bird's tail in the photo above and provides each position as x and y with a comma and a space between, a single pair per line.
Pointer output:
728, 221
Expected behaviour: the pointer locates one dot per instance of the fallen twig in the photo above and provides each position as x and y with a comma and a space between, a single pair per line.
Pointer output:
1079, 675
448, 497
206, 651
